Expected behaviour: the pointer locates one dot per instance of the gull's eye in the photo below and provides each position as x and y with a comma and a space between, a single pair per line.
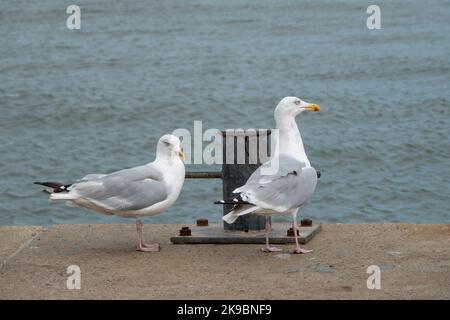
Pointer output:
297, 102
167, 143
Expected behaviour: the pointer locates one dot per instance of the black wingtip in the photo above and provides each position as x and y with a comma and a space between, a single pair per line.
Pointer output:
57, 186
233, 202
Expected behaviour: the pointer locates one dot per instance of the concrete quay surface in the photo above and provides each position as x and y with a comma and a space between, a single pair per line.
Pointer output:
414, 261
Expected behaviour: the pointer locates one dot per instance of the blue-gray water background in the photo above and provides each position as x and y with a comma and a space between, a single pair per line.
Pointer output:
97, 99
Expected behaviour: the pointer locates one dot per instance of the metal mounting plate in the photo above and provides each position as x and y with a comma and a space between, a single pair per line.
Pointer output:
215, 234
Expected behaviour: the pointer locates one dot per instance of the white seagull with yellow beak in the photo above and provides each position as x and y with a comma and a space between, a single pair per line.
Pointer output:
289, 187
141, 191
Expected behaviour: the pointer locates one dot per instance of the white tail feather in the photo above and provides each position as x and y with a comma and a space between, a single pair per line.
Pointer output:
232, 216
62, 196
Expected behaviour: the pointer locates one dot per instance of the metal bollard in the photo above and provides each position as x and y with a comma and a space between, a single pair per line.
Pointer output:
236, 175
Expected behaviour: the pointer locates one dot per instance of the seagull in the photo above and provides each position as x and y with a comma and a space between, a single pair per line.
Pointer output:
145, 190
286, 189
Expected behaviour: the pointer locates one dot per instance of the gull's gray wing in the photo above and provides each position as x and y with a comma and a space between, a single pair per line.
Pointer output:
124, 190
290, 187
136, 173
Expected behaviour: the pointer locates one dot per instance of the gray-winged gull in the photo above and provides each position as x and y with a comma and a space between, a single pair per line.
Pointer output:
286, 189
141, 191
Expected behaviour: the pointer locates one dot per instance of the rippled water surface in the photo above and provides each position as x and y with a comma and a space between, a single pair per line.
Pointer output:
97, 99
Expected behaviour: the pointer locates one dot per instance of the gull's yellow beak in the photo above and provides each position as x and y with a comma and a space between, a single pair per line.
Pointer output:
313, 107
181, 155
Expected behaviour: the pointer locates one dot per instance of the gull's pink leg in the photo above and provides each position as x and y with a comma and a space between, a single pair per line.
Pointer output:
141, 246
268, 248
297, 249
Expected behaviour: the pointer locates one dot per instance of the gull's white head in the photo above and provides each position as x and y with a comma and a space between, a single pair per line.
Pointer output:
169, 146
293, 106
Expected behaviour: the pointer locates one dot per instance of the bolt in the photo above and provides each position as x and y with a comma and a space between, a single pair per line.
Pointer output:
290, 232
185, 231
202, 222
306, 223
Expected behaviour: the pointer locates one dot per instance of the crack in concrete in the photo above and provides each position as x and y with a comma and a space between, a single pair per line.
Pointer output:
21, 247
